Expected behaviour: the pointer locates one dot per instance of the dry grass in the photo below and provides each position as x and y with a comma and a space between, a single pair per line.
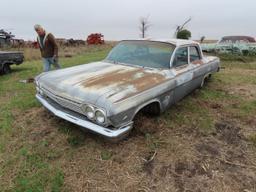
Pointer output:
31, 54
206, 142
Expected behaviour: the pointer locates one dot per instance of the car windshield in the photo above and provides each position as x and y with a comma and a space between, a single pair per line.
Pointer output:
142, 53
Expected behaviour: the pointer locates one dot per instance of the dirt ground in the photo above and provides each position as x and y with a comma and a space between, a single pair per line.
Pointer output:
154, 157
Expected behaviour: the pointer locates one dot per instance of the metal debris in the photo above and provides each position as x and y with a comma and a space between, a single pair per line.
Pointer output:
29, 80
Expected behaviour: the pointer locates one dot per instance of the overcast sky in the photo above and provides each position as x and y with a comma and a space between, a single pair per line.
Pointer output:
118, 19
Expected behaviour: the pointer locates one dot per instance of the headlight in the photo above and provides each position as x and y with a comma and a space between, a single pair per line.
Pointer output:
89, 111
100, 116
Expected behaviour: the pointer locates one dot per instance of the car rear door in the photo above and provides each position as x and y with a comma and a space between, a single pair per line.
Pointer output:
196, 62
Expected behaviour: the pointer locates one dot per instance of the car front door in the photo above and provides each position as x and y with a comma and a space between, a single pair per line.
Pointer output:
183, 73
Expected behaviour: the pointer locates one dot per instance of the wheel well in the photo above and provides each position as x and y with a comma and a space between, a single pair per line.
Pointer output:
152, 109
205, 79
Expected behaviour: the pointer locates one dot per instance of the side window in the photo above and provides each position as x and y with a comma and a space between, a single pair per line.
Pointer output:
181, 57
194, 54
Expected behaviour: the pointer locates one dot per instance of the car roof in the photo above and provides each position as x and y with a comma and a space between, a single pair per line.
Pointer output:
176, 42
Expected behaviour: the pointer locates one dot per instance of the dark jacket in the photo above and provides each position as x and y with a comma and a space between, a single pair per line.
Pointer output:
48, 46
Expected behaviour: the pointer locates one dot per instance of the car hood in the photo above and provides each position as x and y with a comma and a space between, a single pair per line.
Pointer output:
89, 83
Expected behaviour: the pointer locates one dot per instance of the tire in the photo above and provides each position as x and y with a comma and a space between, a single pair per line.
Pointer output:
6, 69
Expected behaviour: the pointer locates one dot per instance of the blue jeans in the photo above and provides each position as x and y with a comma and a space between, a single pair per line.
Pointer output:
50, 61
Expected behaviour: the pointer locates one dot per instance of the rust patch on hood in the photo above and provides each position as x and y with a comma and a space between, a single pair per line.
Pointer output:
126, 82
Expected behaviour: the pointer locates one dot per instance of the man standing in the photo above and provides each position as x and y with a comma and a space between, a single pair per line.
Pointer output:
48, 48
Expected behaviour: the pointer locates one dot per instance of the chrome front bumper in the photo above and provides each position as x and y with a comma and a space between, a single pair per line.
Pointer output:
58, 111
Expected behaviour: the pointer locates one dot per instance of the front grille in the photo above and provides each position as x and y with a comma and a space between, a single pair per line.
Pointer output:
66, 103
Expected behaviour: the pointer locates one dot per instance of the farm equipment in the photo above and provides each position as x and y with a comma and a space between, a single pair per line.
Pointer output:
95, 38
5, 38
73, 42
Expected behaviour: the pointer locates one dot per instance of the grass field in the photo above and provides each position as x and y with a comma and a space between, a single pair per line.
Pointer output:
206, 142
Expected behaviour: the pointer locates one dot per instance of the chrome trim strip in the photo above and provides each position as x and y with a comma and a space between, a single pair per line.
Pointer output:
114, 134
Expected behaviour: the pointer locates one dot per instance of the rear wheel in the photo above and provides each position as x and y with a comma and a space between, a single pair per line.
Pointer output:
6, 69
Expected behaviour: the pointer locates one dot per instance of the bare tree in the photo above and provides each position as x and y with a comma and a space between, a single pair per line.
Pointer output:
181, 27
144, 26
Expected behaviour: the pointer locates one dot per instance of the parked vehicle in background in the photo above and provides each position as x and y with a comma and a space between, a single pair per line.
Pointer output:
237, 39
242, 45
137, 76
8, 58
